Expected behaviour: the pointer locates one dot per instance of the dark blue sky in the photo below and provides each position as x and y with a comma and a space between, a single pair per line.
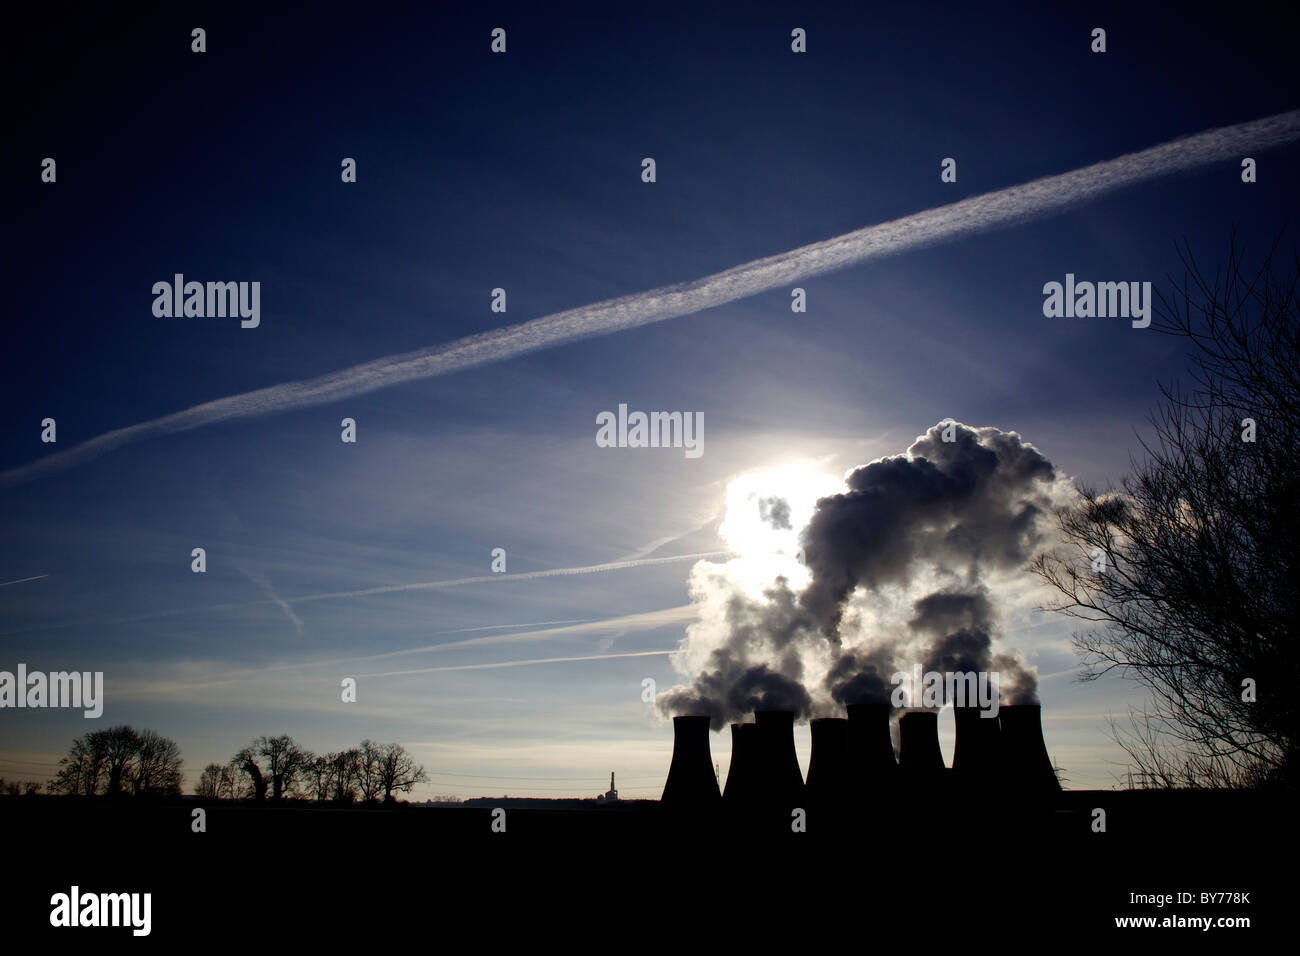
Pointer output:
523, 171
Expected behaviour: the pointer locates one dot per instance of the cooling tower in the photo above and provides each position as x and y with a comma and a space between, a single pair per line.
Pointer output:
741, 775
1028, 768
871, 749
690, 776
977, 754
919, 758
780, 781
829, 767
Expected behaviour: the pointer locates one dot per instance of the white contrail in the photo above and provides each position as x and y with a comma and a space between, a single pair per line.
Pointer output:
643, 621
263, 583
1003, 207
640, 622
658, 543
524, 576
499, 627
523, 663
35, 577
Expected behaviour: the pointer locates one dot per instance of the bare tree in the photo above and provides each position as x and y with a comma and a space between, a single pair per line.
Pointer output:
158, 765
80, 771
368, 779
397, 770
13, 788
1189, 570
219, 782
120, 758
317, 776
287, 763
344, 774
120, 746
245, 762
209, 785
228, 783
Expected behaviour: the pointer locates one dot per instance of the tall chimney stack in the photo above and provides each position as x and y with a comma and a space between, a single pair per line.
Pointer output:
741, 783
1028, 768
690, 776
779, 779
920, 761
829, 767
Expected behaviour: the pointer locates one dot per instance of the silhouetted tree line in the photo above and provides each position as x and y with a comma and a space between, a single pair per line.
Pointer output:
277, 768
13, 788
120, 761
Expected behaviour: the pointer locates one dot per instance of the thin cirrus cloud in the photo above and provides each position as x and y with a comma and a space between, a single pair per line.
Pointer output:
1001, 208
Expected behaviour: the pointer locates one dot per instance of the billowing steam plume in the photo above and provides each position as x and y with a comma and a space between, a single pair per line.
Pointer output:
900, 566
962, 623
758, 665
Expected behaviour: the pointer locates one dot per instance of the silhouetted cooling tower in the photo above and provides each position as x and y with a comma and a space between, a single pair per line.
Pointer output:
1028, 768
829, 767
871, 749
920, 758
690, 776
977, 754
779, 779
742, 774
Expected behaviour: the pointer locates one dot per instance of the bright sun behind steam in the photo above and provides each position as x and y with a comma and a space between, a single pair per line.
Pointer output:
765, 512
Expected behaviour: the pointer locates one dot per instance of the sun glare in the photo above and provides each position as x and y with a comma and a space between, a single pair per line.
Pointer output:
765, 513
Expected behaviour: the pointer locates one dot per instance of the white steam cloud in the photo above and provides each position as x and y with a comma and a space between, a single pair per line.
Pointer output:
906, 563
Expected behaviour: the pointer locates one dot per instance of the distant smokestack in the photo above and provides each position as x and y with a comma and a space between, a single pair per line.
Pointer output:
871, 749
920, 759
690, 776
741, 775
977, 754
779, 778
830, 767
1028, 768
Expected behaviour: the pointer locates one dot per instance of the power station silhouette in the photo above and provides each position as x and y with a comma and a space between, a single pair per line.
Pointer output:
853, 758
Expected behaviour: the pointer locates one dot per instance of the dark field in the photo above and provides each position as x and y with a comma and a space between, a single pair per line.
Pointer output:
299, 873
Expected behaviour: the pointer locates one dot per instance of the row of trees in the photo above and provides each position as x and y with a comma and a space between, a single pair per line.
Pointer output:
122, 761
118, 761
279, 768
